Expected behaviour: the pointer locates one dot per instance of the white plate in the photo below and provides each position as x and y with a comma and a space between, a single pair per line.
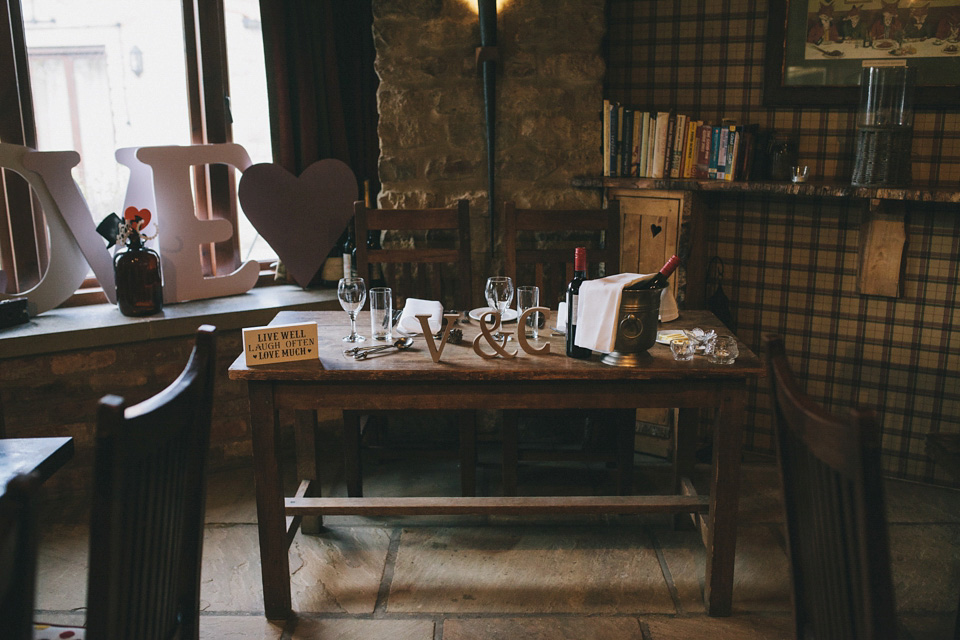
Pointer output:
665, 336
508, 316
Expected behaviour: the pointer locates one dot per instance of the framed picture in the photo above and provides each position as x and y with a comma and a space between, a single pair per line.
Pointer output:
817, 48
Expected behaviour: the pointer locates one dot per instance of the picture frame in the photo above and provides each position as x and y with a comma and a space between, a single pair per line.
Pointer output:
799, 71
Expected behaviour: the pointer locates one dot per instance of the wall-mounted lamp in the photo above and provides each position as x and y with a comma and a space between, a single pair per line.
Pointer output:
136, 60
487, 57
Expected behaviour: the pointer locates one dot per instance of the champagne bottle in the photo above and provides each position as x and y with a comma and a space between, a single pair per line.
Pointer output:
660, 278
573, 292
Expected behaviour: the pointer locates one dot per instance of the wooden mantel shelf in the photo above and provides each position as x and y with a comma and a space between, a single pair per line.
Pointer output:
883, 230
813, 189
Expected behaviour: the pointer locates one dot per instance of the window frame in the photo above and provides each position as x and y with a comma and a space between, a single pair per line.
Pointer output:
23, 237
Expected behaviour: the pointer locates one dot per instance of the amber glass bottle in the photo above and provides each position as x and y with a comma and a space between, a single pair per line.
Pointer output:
137, 272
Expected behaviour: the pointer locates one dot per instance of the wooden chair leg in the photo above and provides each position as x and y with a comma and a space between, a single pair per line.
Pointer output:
510, 453
352, 469
468, 452
684, 457
306, 434
626, 427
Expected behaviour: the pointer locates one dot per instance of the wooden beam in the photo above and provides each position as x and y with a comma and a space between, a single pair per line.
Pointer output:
883, 235
496, 505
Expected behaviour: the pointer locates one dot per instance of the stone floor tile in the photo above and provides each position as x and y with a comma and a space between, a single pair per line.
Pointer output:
761, 497
914, 502
362, 629
761, 579
62, 567
230, 570
339, 571
930, 626
543, 628
925, 564
736, 627
241, 627
527, 570
231, 498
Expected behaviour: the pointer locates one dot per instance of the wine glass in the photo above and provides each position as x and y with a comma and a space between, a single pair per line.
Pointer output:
352, 293
499, 294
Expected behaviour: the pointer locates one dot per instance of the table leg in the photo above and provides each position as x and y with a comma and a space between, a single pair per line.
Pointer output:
684, 457
626, 430
510, 452
271, 522
468, 452
724, 497
352, 468
308, 462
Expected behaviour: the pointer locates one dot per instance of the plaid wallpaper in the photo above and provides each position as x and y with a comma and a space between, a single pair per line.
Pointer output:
791, 264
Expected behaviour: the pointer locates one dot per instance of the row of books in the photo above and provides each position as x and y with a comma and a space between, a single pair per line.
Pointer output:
666, 144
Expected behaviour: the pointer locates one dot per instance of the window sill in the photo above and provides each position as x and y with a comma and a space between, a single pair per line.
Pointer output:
99, 325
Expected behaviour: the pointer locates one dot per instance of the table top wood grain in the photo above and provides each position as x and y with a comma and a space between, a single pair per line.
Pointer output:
459, 362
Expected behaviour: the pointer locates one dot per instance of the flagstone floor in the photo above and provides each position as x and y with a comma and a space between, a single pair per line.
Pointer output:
446, 578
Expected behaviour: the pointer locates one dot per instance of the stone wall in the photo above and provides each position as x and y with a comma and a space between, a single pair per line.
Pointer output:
432, 128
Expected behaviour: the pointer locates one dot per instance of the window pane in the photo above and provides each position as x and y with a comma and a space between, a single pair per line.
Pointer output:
248, 103
106, 75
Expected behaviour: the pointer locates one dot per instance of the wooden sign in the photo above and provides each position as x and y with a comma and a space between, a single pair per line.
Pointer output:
269, 345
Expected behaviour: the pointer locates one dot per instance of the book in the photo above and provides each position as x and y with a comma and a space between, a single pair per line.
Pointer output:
660, 144
618, 158
612, 140
668, 149
651, 144
714, 151
605, 143
702, 160
733, 148
644, 141
635, 150
676, 150
626, 144
690, 149
722, 153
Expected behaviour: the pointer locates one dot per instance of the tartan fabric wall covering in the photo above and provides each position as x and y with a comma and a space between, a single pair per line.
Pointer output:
791, 263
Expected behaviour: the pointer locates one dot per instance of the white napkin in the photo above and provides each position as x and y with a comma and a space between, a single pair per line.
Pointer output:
598, 309
561, 322
668, 305
408, 322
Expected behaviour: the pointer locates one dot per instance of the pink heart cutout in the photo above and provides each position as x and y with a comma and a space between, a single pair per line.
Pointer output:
301, 218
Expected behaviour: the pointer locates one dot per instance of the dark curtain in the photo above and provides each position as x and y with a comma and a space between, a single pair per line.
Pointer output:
321, 84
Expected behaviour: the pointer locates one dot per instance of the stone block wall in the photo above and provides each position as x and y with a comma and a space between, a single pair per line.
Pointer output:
432, 127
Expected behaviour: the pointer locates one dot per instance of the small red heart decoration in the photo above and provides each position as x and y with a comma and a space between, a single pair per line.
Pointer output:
132, 214
301, 218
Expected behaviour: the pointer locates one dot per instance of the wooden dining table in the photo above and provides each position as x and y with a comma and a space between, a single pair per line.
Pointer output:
462, 380
42, 456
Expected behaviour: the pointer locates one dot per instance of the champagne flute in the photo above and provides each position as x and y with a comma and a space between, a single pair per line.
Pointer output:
499, 294
352, 293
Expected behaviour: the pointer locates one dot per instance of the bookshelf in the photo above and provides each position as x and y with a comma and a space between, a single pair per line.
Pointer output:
882, 231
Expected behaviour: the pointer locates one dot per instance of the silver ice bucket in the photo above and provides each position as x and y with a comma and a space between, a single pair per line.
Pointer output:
636, 326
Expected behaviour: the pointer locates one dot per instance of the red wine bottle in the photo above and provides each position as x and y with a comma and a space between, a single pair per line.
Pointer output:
573, 292
659, 279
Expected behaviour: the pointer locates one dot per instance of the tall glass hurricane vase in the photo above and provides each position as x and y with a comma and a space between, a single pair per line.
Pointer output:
352, 293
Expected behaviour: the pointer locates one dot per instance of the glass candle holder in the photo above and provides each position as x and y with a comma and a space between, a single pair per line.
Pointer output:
682, 348
884, 127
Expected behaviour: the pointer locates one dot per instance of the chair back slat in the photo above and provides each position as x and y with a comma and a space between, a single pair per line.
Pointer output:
149, 496
834, 511
426, 255
538, 245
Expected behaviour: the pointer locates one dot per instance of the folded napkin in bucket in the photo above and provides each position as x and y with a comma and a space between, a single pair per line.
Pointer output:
598, 309
408, 322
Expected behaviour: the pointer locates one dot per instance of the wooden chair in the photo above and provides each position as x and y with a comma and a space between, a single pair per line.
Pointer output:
416, 271
834, 504
18, 556
538, 248
438, 267
146, 526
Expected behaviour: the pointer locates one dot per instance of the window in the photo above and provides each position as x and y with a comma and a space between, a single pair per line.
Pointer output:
95, 77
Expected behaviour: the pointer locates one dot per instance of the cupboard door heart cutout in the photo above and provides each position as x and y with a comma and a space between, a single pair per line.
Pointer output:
655, 229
